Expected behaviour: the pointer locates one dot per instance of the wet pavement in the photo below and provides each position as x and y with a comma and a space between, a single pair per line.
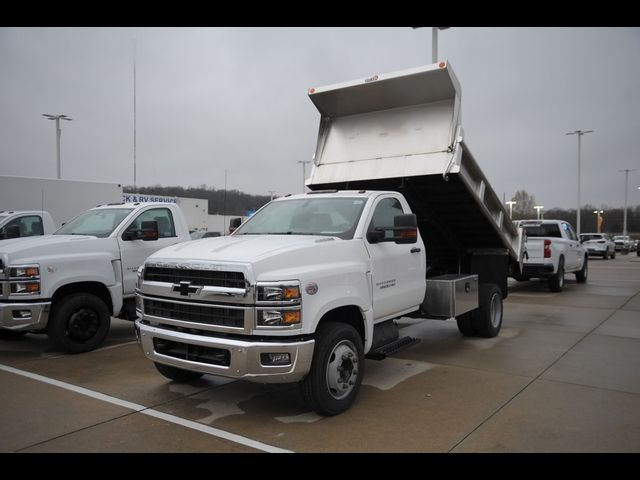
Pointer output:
562, 376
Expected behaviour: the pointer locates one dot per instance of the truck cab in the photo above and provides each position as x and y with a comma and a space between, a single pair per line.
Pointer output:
69, 284
16, 224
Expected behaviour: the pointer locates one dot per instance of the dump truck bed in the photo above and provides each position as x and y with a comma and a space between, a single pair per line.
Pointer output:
402, 131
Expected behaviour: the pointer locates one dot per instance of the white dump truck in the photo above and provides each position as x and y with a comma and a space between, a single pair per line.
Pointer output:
71, 283
401, 222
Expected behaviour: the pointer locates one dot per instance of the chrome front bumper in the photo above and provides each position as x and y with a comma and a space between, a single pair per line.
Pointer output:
24, 316
244, 356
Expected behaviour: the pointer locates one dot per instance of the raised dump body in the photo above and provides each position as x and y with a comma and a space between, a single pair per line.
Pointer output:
402, 131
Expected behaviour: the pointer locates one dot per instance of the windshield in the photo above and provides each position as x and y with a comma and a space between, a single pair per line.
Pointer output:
544, 230
99, 223
336, 217
590, 236
619, 237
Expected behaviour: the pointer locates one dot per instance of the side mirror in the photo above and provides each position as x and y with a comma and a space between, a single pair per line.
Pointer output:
376, 235
234, 223
405, 228
149, 231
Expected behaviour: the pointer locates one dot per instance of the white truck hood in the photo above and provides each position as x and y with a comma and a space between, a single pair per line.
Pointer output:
265, 257
33, 249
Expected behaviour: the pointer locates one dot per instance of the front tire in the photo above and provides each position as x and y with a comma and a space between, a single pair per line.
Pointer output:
337, 369
79, 323
177, 374
11, 334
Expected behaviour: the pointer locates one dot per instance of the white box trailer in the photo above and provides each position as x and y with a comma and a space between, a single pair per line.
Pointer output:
402, 131
63, 199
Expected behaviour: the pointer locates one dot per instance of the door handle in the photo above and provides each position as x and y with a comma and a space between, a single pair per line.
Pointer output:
415, 250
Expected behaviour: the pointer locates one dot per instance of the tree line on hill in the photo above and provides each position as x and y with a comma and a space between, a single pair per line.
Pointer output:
221, 202
234, 202
613, 217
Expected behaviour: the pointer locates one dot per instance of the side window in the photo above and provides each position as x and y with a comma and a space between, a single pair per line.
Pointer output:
162, 216
570, 233
31, 226
384, 213
28, 226
4, 231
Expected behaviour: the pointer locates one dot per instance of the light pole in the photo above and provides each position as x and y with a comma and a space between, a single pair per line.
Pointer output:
538, 208
57, 118
626, 184
272, 193
511, 203
580, 133
598, 212
434, 42
304, 175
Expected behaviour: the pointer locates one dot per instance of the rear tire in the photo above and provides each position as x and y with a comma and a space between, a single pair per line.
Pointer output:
520, 278
177, 374
337, 369
79, 322
581, 276
465, 324
556, 283
487, 320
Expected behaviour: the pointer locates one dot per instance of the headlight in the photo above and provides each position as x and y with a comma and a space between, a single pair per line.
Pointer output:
279, 318
24, 279
281, 292
279, 304
25, 287
24, 271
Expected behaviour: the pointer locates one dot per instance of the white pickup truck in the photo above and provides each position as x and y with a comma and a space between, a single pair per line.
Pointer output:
552, 249
401, 222
26, 223
71, 283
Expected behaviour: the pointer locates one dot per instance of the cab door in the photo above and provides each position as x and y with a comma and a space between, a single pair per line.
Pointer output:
397, 270
134, 252
574, 249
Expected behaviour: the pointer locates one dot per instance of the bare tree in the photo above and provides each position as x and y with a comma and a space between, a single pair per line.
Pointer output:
523, 207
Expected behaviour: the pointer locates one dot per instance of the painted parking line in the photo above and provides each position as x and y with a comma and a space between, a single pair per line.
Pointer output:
215, 432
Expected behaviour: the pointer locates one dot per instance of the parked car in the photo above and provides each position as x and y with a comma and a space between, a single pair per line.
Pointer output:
623, 243
598, 244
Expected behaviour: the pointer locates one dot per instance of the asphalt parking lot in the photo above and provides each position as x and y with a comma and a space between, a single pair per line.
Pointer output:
562, 376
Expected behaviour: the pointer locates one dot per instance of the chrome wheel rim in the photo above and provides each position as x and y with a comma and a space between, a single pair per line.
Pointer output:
342, 369
495, 310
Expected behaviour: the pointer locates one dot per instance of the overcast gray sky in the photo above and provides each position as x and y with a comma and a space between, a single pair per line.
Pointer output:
210, 99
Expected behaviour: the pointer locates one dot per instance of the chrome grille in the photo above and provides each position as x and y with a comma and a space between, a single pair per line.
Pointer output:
209, 315
212, 278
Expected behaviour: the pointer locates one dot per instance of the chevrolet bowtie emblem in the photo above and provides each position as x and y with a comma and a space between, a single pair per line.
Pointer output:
184, 288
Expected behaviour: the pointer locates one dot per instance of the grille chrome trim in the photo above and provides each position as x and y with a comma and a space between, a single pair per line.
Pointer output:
183, 320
